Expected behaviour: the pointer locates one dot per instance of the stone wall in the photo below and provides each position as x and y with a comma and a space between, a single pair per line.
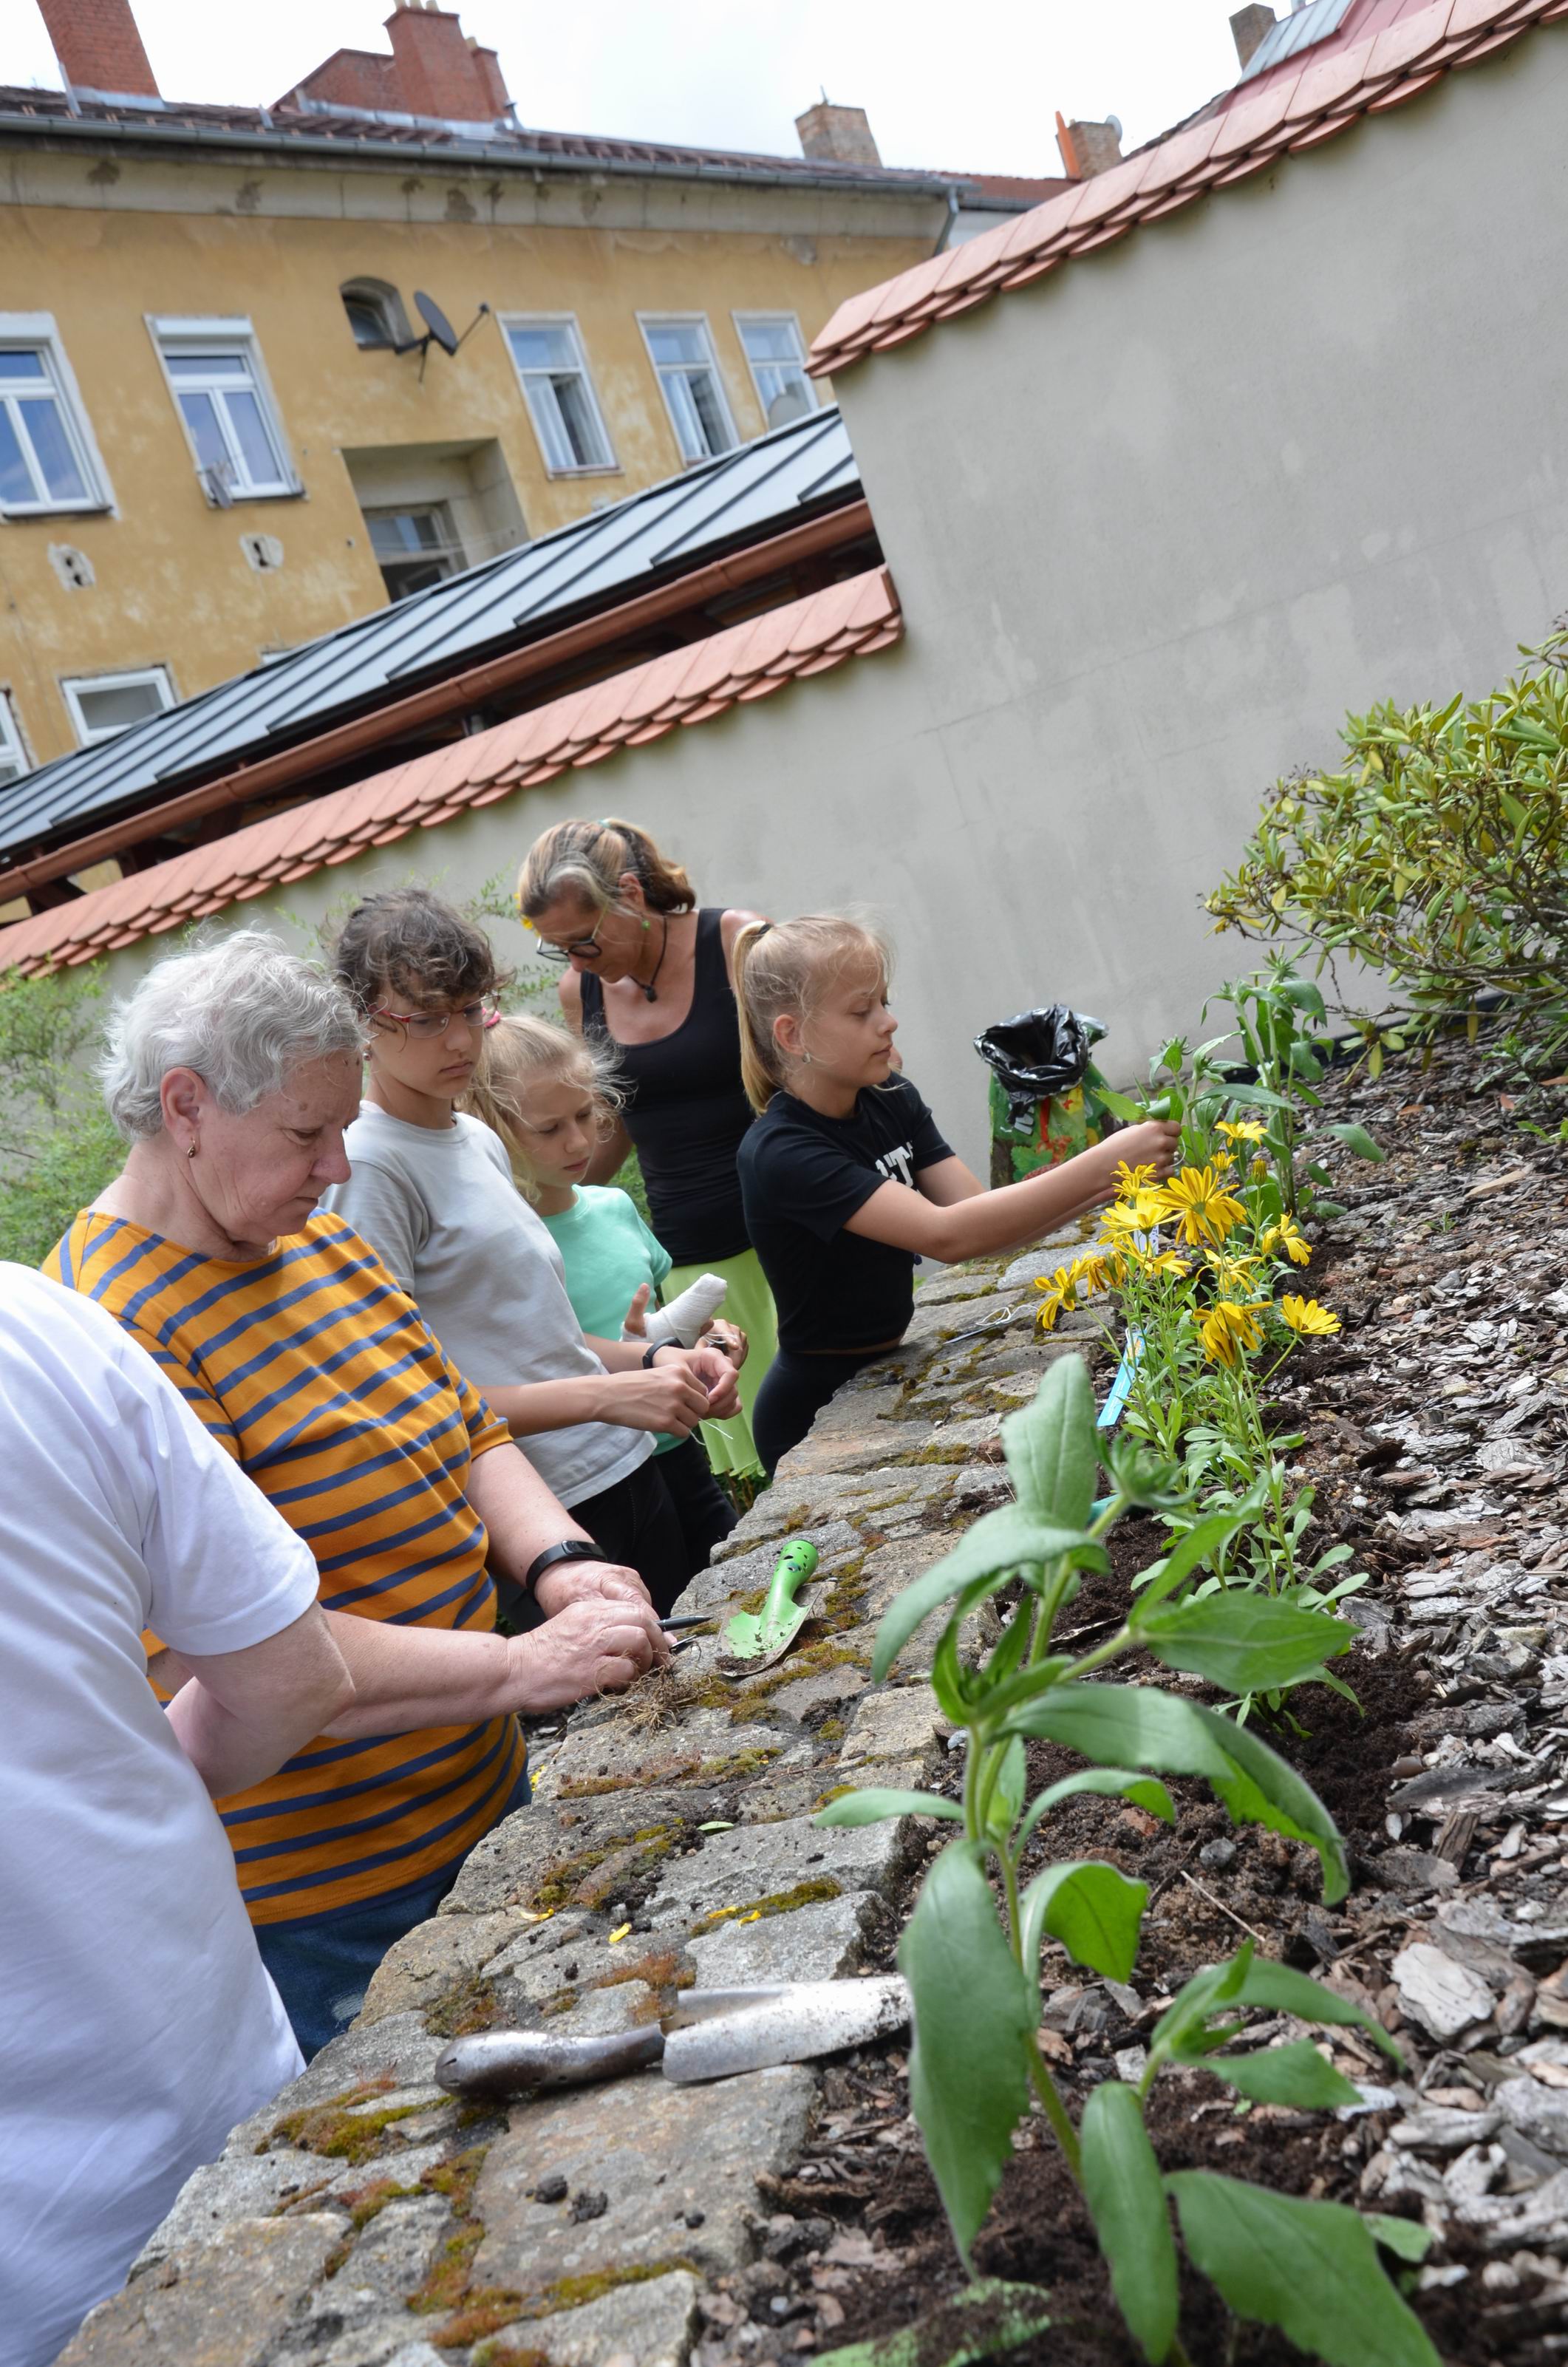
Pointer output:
365, 2217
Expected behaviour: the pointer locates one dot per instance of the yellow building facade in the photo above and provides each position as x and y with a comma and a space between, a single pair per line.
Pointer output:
211, 447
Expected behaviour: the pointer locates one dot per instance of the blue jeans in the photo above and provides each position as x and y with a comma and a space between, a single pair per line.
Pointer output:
322, 1966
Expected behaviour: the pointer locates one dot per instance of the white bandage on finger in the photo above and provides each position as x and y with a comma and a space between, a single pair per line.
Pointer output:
687, 1317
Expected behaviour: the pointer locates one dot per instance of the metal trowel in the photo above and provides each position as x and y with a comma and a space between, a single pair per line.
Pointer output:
718, 2033
757, 1638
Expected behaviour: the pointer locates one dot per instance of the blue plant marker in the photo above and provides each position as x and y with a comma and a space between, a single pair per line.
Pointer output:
1121, 1387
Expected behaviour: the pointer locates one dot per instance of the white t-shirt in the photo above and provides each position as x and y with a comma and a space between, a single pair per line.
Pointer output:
440, 1207
137, 2023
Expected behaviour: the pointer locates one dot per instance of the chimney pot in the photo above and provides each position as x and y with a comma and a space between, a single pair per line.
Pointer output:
1247, 27
98, 46
836, 135
1089, 148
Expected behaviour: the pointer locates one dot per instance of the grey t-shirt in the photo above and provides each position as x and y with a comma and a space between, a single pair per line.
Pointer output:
440, 1207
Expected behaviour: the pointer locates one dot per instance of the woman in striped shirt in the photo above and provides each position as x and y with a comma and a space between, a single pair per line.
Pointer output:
234, 1071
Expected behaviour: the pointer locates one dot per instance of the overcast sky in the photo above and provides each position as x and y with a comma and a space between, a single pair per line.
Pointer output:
944, 86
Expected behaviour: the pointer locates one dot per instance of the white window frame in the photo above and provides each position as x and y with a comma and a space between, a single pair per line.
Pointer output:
13, 743
569, 321
39, 330
649, 321
766, 319
121, 677
235, 333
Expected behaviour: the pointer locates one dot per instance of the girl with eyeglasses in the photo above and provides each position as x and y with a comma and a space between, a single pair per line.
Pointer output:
647, 975
846, 1178
432, 1190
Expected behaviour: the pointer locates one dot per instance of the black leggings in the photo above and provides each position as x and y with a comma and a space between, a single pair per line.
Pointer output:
634, 1522
703, 1510
793, 1394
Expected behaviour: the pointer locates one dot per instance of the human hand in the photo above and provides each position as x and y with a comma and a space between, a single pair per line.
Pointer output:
568, 1582
668, 1396
590, 1648
634, 1325
715, 1374
729, 1340
1156, 1143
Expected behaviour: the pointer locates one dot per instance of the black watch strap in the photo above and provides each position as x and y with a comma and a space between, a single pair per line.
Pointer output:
570, 1550
649, 1352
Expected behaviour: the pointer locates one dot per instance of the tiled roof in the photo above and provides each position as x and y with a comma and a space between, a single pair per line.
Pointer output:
502, 143
746, 661
1298, 105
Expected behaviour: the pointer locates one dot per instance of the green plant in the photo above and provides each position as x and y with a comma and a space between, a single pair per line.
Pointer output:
1310, 2267
1437, 856
57, 1147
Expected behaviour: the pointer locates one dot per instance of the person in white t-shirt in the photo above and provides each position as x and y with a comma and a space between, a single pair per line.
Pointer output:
139, 2025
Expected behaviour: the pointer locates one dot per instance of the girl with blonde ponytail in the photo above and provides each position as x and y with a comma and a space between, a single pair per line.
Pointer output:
647, 978
846, 1181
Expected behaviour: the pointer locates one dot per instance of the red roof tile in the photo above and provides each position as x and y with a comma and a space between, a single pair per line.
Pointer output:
1386, 51
746, 662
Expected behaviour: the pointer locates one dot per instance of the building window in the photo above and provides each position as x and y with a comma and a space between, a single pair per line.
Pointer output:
414, 547
559, 394
45, 456
102, 705
13, 751
217, 383
682, 354
375, 314
772, 346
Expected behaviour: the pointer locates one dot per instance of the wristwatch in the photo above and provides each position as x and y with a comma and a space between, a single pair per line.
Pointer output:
649, 1352
570, 1550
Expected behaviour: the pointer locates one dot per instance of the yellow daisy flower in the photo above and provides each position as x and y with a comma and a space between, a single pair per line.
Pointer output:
1058, 1290
1287, 1235
1100, 1268
1304, 1316
1228, 1328
1140, 1215
1242, 1129
1157, 1261
1200, 1207
1258, 1169
1132, 1179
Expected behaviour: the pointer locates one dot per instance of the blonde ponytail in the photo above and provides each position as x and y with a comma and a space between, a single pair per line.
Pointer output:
587, 860
786, 968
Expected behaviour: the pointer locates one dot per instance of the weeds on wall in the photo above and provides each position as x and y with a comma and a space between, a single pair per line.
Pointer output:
1437, 857
1315, 2270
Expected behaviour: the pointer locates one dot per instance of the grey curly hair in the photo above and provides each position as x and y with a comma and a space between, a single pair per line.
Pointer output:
242, 1011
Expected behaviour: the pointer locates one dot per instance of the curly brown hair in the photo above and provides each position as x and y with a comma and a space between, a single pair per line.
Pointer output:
413, 945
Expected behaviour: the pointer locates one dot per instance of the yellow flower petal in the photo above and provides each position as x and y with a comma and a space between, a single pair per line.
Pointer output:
1307, 1318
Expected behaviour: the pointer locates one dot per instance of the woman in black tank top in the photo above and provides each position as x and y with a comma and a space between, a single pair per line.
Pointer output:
648, 974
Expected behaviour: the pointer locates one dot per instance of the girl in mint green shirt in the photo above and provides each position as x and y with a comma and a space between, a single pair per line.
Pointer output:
551, 1097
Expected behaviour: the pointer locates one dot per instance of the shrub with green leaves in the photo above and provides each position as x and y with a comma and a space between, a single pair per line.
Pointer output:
973, 1961
57, 1147
1438, 855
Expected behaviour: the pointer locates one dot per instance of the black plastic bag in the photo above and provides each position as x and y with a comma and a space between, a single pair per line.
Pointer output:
1038, 1053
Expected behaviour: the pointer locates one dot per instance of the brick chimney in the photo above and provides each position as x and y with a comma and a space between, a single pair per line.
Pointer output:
98, 46
487, 64
436, 71
836, 135
1089, 148
1247, 29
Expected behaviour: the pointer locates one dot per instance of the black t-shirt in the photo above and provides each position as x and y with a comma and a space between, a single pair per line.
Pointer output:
802, 1177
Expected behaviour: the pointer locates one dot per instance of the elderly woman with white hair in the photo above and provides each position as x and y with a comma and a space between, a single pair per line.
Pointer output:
234, 1071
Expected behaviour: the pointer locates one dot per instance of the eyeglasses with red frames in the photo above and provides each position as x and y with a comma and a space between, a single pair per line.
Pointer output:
425, 1025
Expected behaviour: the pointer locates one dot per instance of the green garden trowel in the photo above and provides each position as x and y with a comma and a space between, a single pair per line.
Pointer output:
758, 1638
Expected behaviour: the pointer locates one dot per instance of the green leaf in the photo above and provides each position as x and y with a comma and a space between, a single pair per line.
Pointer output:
1139, 1727
1049, 1446
1146, 1791
870, 1807
1310, 2268
998, 1542
1293, 2074
1204, 1994
1200, 1544
1248, 1643
1006, 1793
1127, 2201
1405, 2236
1357, 1139
973, 2014
1257, 1097
1283, 1990
978, 2323
1131, 1113
1092, 1909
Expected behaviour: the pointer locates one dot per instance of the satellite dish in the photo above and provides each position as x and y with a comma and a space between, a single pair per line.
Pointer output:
436, 320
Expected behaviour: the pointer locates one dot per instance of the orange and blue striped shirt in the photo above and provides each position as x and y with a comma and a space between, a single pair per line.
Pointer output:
317, 1374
